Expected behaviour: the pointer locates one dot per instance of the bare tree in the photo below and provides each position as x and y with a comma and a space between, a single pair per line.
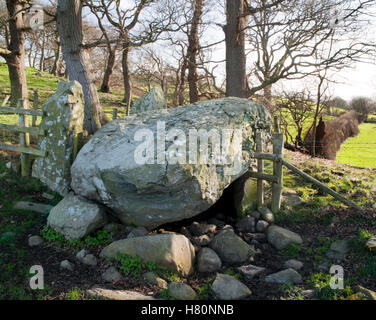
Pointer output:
69, 23
132, 30
291, 40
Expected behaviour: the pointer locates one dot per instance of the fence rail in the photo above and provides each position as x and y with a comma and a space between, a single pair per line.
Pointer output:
24, 131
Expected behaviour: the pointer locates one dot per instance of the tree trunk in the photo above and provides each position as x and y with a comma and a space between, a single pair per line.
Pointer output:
69, 23
42, 55
15, 59
127, 78
268, 98
236, 82
193, 48
56, 67
181, 92
105, 87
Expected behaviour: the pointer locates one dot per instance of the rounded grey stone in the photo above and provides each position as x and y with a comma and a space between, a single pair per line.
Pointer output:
35, 241
111, 275
181, 291
208, 261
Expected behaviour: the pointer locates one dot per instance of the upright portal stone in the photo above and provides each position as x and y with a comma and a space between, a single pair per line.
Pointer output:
169, 165
62, 123
154, 100
245, 195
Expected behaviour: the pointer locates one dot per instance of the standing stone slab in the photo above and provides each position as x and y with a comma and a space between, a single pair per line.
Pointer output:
154, 100
158, 190
172, 251
76, 217
245, 195
62, 123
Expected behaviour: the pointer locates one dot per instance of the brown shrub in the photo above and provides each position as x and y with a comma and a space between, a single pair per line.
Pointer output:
331, 134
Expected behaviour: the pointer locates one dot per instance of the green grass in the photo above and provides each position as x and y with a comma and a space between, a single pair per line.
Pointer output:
360, 151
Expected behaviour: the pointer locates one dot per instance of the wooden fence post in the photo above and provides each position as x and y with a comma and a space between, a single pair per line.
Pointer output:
24, 141
260, 170
35, 107
277, 168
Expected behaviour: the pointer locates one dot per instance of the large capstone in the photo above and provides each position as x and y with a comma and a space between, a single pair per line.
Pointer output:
169, 165
62, 123
154, 100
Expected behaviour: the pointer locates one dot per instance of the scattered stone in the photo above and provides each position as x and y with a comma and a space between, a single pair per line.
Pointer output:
117, 294
216, 222
75, 217
172, 251
48, 196
153, 100
181, 291
62, 122
138, 232
280, 238
90, 260
338, 250
35, 241
250, 271
111, 275
208, 261
293, 264
262, 226
255, 214
228, 288
185, 232
152, 278
81, 254
246, 224
260, 237
66, 265
266, 214
231, 248
107, 171
370, 295
228, 227
371, 244
202, 241
34, 207
291, 199
199, 229
309, 294
284, 277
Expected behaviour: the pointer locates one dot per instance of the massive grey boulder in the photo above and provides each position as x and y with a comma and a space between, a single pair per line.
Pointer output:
154, 100
62, 123
172, 251
139, 166
75, 217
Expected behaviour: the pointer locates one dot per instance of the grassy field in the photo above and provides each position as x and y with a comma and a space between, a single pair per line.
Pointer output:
360, 151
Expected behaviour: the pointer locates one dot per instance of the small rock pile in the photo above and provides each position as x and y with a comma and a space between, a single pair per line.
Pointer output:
207, 247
